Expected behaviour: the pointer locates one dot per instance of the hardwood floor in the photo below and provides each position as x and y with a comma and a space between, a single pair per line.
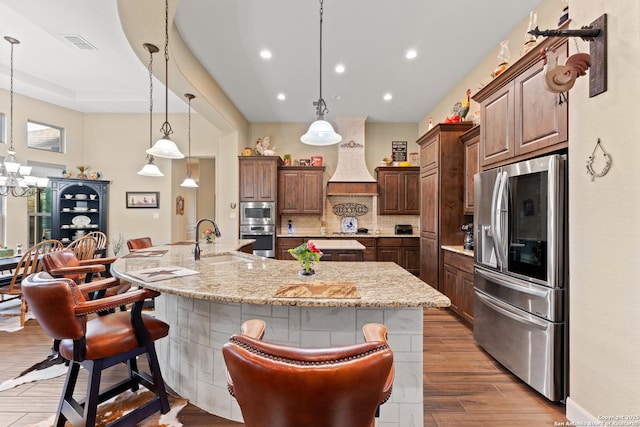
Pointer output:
463, 386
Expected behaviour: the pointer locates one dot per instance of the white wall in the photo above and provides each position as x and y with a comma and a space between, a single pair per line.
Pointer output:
604, 251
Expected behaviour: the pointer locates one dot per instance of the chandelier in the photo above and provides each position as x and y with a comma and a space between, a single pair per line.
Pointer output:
18, 181
321, 132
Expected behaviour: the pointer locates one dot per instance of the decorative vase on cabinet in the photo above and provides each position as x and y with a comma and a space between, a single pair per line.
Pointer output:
78, 206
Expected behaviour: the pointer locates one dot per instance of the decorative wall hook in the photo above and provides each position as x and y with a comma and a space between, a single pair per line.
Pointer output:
596, 35
607, 162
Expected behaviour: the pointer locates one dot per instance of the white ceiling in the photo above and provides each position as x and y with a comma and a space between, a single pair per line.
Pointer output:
369, 37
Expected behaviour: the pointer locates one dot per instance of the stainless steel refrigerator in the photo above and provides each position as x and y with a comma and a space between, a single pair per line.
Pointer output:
521, 270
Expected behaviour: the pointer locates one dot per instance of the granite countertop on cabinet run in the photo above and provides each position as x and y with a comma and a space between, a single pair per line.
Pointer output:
254, 280
338, 244
345, 235
459, 250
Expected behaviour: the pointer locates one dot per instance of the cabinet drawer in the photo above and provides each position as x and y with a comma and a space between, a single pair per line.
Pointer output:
410, 242
461, 262
390, 242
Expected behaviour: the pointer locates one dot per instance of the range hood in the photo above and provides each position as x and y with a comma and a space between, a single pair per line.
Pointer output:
351, 176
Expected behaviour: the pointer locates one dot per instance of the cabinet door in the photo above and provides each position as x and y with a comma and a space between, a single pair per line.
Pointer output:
497, 130
289, 192
389, 192
311, 192
540, 119
390, 254
258, 180
429, 153
429, 261
466, 285
450, 287
429, 202
411, 259
284, 244
471, 167
410, 193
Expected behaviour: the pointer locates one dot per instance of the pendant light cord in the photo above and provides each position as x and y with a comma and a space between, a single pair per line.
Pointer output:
321, 106
166, 127
190, 97
150, 100
12, 42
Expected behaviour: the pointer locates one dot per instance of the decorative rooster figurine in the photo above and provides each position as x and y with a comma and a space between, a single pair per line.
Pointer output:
561, 78
464, 110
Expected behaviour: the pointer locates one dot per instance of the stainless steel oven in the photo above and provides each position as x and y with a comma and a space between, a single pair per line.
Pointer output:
264, 236
257, 213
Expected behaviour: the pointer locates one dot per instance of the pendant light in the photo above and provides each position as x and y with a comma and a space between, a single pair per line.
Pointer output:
165, 147
18, 181
150, 169
188, 181
321, 132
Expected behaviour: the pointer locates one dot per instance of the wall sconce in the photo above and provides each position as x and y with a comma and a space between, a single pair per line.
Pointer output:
596, 35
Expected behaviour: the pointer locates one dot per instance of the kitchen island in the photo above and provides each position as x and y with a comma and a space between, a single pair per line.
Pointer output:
227, 287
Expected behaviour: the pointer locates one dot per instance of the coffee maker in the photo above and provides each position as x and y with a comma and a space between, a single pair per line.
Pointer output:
468, 238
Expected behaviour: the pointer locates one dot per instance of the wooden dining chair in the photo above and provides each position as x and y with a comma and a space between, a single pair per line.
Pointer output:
84, 248
101, 247
139, 243
97, 343
285, 386
29, 263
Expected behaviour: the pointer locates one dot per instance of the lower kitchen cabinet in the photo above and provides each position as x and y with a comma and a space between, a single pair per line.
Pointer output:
283, 244
404, 251
341, 255
458, 283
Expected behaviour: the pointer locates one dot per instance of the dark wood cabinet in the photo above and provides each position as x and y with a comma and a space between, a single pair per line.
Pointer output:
78, 206
283, 244
398, 190
471, 140
441, 195
520, 118
300, 190
342, 255
458, 283
404, 251
259, 178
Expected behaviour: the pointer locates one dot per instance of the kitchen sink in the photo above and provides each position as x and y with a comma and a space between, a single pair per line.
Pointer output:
224, 258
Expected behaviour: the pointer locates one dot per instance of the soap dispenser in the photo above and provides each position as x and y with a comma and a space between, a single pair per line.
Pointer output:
290, 227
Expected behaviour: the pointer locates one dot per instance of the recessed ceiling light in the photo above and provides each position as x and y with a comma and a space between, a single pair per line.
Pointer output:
387, 97
337, 97
411, 53
339, 68
282, 96
265, 54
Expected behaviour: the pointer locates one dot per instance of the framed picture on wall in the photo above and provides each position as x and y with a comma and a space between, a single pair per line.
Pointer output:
143, 199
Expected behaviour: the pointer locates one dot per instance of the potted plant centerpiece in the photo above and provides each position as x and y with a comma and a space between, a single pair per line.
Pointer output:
306, 254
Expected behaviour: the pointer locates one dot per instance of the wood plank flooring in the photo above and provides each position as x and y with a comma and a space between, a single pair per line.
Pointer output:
463, 386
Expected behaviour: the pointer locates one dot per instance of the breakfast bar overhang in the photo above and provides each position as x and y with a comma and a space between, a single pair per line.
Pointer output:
225, 288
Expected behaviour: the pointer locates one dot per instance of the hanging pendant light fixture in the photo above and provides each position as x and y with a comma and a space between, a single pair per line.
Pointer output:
150, 169
165, 147
188, 181
321, 132
18, 181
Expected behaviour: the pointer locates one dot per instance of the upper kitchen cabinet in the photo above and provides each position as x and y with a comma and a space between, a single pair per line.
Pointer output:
471, 141
520, 118
441, 195
399, 190
78, 206
259, 178
300, 190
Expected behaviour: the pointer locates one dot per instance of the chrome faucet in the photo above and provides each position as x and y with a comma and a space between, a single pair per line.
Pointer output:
216, 232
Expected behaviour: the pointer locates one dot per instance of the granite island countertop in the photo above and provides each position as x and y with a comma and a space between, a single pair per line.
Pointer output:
251, 279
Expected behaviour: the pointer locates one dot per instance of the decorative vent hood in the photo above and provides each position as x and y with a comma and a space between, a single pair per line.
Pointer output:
351, 176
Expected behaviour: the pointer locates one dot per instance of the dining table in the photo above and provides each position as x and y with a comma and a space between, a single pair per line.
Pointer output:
7, 265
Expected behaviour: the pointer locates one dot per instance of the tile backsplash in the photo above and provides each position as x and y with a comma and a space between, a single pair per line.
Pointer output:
310, 224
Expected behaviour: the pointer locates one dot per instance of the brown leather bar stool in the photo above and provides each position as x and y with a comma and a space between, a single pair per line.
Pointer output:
98, 343
284, 386
139, 243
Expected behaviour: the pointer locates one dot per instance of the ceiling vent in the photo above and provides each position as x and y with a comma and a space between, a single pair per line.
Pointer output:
78, 41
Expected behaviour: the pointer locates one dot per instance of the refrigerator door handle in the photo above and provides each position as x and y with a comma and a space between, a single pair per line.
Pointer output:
496, 217
495, 238
496, 278
507, 311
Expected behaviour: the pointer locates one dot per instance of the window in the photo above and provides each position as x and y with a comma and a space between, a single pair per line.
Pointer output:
45, 137
3, 130
39, 203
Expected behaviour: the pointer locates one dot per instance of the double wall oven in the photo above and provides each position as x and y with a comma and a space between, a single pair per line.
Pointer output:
258, 222
521, 279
